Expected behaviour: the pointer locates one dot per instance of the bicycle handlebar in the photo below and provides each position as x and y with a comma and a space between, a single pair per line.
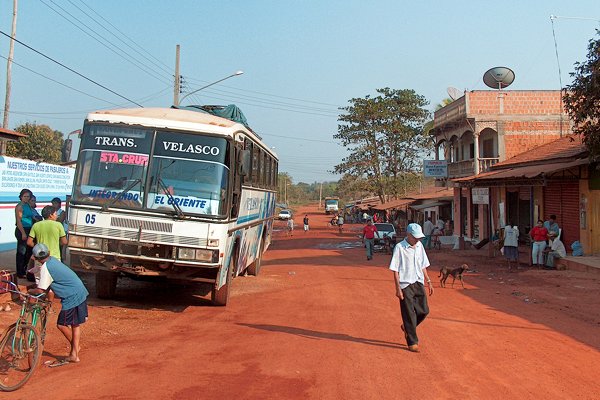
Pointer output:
38, 297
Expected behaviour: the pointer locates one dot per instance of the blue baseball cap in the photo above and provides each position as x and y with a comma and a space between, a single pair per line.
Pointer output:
415, 231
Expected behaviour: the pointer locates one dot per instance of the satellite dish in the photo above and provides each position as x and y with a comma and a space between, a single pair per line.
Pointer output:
498, 77
454, 93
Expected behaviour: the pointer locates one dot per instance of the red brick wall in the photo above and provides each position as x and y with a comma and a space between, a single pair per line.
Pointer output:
527, 102
520, 143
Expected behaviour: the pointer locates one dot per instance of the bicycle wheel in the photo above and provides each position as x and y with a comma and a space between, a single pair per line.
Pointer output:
20, 353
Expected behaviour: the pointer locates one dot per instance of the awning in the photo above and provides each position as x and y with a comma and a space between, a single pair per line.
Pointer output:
428, 205
527, 171
401, 203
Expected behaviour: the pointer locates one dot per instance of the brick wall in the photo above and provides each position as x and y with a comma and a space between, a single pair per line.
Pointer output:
529, 102
519, 143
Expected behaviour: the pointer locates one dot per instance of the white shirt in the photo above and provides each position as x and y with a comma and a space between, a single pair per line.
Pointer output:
427, 228
511, 236
559, 247
440, 224
409, 262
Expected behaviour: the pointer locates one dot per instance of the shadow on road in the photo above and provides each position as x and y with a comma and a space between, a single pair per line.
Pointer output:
307, 333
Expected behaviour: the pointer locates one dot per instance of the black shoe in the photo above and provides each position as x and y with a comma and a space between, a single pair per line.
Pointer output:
21, 276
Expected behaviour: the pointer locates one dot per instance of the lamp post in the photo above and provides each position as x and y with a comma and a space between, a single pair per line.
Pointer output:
236, 73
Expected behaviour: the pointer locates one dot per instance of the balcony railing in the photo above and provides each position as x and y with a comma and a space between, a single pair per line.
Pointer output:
463, 168
486, 163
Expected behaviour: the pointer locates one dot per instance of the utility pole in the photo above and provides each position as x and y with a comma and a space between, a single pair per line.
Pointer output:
177, 86
11, 52
320, 194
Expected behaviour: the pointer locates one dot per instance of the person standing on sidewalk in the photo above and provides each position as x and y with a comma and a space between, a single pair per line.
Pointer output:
23, 222
305, 221
539, 235
369, 237
409, 263
427, 231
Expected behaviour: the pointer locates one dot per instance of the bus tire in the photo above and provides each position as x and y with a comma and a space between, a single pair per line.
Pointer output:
220, 297
254, 268
106, 284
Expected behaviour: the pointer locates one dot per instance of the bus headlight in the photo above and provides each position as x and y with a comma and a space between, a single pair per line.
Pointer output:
93, 243
204, 255
184, 253
76, 241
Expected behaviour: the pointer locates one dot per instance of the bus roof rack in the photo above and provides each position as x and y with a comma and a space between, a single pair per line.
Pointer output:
230, 112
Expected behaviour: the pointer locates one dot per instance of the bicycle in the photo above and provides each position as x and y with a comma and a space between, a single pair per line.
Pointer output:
23, 342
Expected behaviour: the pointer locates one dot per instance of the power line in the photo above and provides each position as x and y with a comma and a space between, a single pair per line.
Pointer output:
167, 70
273, 95
123, 34
60, 83
70, 69
106, 45
277, 103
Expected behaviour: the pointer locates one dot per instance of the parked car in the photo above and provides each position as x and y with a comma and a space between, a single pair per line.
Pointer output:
384, 229
284, 214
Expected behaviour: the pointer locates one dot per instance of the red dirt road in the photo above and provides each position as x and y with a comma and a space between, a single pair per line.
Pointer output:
322, 322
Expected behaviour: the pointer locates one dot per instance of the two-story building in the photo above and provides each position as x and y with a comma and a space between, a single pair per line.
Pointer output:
485, 127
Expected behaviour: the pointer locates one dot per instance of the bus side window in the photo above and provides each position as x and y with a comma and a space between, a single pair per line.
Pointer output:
255, 165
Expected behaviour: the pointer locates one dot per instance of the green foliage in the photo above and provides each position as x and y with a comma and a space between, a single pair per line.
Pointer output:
385, 137
41, 144
582, 98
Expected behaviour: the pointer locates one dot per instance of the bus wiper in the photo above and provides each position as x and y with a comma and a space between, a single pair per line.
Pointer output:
120, 195
176, 207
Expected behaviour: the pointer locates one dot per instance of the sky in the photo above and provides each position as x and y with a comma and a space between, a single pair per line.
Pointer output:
302, 60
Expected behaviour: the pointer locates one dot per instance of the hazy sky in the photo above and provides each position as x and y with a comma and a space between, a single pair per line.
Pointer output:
302, 60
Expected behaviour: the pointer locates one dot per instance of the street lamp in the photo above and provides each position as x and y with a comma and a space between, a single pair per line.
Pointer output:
236, 73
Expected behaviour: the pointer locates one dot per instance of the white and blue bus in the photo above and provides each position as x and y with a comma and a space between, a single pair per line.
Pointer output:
165, 193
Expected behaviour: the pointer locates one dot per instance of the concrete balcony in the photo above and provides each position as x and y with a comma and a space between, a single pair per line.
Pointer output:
463, 168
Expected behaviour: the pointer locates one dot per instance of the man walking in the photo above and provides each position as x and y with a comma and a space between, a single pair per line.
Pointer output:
409, 263
305, 223
369, 237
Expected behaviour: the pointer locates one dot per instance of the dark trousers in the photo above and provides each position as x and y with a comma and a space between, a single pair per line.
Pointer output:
414, 309
23, 252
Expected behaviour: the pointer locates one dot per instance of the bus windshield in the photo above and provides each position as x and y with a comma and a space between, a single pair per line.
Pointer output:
182, 173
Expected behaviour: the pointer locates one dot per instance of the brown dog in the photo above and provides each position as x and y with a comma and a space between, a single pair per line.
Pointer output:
445, 272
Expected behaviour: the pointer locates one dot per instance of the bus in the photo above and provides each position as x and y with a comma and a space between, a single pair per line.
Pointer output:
171, 194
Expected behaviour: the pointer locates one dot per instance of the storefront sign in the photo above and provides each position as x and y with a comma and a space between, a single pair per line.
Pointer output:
435, 168
480, 195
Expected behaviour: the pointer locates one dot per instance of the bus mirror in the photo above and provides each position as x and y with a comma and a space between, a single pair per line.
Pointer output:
246, 160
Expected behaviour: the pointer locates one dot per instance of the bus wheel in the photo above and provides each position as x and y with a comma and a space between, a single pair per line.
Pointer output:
254, 268
220, 297
106, 284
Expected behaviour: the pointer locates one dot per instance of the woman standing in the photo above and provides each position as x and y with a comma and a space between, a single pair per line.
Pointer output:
24, 221
538, 234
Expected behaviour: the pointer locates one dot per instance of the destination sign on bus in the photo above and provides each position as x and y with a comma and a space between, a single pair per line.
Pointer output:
123, 158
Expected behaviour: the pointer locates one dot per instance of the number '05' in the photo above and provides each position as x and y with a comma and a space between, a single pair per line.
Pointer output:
90, 219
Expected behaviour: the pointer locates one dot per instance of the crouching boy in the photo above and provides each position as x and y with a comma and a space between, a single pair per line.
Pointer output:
63, 282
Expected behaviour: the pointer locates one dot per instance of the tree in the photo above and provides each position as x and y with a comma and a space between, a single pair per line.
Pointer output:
385, 137
41, 144
582, 98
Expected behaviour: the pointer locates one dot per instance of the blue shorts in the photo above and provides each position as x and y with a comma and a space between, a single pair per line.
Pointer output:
73, 316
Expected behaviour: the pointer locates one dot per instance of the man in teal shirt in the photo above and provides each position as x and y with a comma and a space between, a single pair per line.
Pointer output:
65, 284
